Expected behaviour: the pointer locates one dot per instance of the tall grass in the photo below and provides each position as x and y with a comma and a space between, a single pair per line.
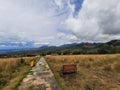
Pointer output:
11, 70
95, 72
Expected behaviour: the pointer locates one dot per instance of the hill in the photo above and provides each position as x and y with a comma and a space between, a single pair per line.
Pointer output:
84, 48
111, 47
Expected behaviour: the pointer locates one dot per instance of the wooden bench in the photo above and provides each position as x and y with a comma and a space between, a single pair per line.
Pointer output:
69, 69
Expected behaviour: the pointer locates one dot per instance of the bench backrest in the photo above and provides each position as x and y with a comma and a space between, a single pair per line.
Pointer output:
69, 68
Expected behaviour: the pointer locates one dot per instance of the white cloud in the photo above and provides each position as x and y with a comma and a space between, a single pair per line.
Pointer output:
42, 21
59, 3
40, 44
98, 20
67, 36
27, 20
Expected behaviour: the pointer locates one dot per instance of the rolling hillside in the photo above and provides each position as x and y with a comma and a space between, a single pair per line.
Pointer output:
110, 47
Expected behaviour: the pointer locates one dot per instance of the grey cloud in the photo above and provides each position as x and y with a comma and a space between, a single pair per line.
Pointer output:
98, 20
109, 22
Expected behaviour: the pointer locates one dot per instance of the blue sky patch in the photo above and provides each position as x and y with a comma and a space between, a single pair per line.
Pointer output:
78, 5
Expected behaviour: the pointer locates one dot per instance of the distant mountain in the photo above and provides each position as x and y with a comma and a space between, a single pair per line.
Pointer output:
7, 47
2, 51
114, 42
84, 48
44, 47
74, 48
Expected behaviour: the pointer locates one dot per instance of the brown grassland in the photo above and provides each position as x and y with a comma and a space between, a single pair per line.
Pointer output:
12, 71
95, 72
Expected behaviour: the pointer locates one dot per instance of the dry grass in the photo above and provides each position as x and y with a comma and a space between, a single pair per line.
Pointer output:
95, 72
11, 70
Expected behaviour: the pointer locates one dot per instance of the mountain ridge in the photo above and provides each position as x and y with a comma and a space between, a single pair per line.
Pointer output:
112, 46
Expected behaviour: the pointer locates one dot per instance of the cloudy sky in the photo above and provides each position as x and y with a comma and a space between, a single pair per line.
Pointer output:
56, 22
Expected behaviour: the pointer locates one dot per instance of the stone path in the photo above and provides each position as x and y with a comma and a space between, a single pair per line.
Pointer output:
42, 78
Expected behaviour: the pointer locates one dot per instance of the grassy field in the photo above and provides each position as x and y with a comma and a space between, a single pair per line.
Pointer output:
95, 72
12, 71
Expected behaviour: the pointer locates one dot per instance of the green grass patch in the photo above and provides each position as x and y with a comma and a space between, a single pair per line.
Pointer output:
18, 82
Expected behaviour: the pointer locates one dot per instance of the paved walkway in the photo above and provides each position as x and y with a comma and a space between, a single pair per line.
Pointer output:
42, 78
